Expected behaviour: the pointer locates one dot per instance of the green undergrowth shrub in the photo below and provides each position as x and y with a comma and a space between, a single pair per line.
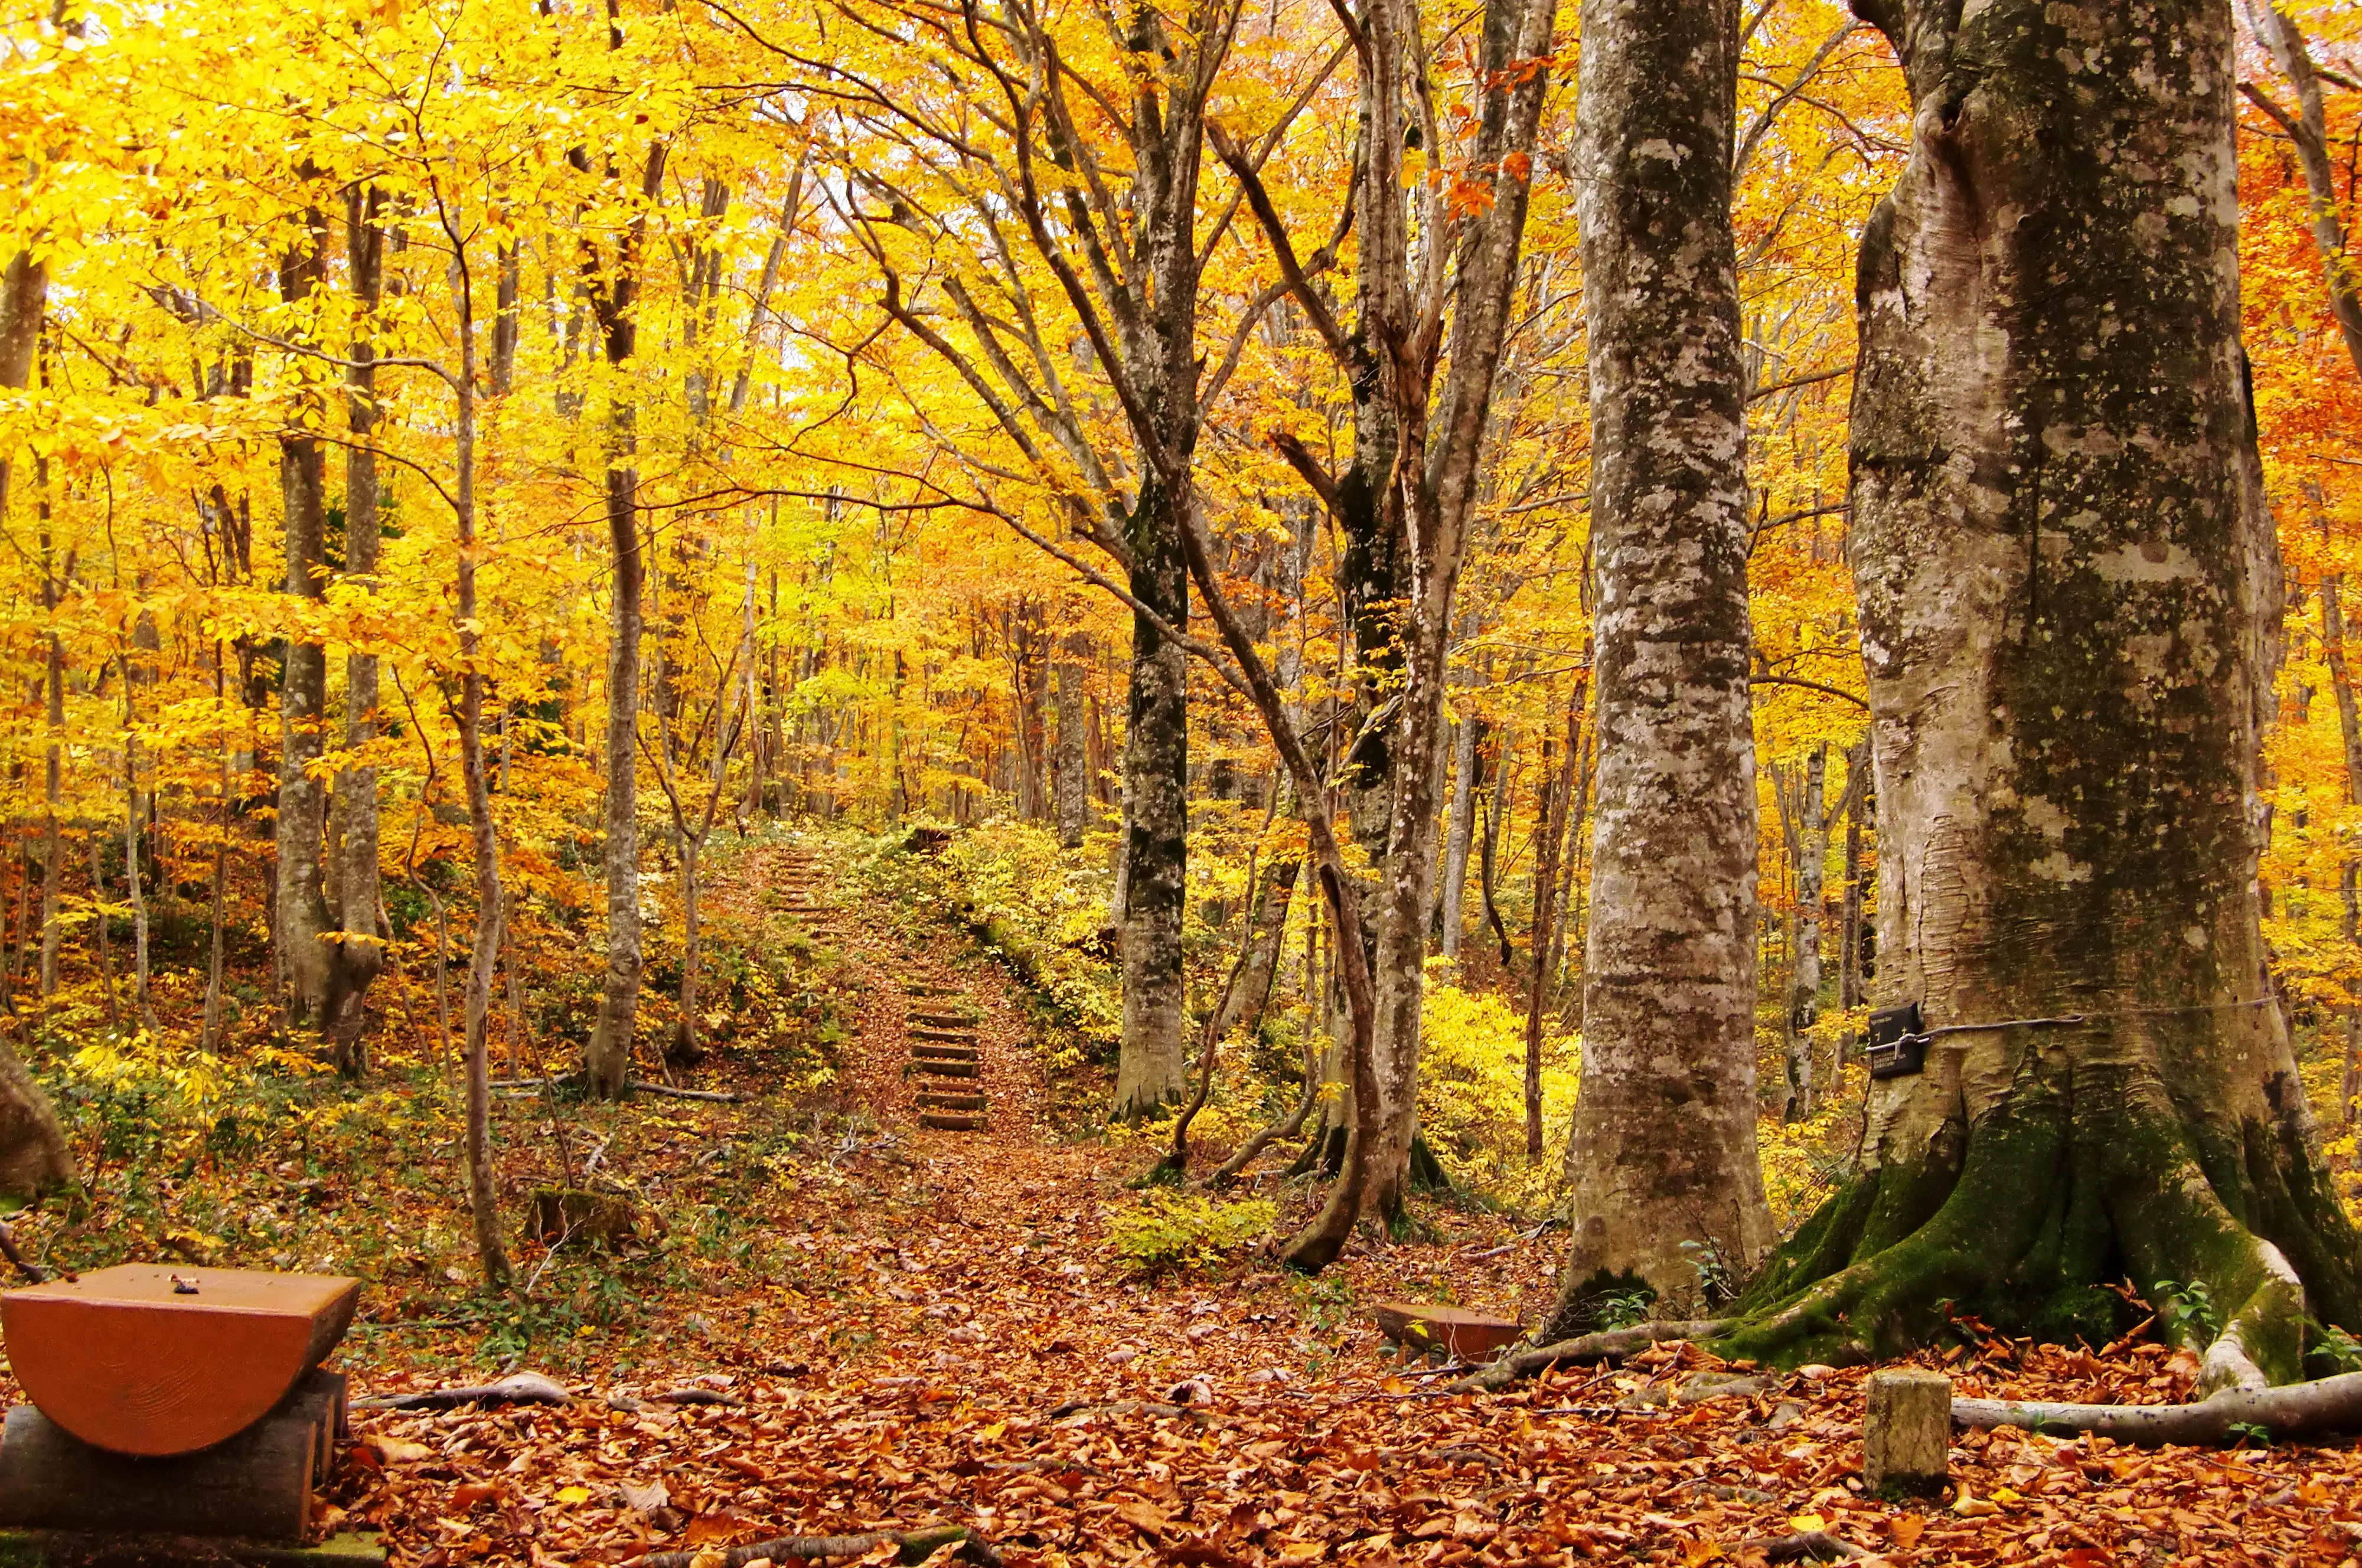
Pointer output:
1171, 1233
1472, 1096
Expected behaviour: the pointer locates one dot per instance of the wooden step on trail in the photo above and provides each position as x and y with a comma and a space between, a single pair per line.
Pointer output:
935, 1100
951, 1121
946, 1036
943, 1019
942, 1053
949, 1069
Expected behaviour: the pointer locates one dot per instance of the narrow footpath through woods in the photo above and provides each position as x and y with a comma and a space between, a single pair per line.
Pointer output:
933, 1330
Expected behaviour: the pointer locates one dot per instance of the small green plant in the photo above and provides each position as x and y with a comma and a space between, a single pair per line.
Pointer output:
2250, 1434
1626, 1308
2334, 1344
1170, 1233
2186, 1312
1718, 1281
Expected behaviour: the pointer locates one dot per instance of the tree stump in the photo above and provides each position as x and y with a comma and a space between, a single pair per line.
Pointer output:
1906, 1437
564, 1217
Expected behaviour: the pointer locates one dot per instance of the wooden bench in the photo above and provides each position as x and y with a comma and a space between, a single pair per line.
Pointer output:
184, 1401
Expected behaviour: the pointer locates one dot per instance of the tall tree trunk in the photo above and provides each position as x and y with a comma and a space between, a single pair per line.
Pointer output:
2349, 731
2070, 610
2308, 127
1073, 781
483, 1193
1662, 1150
614, 291
1558, 796
1468, 778
1250, 994
353, 827
1151, 1065
306, 949
1851, 979
53, 849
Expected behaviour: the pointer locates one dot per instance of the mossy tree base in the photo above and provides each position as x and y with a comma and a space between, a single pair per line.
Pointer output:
2074, 1182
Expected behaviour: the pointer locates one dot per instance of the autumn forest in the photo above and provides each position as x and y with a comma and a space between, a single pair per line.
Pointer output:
1220, 781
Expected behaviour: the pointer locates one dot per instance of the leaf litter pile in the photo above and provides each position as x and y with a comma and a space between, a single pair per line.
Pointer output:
937, 1332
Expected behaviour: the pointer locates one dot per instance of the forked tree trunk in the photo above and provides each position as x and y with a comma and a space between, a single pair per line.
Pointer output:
1664, 1181
614, 291
1151, 1065
2071, 600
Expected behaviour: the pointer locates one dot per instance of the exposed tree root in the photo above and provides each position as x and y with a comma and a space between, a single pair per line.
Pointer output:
911, 1546
2296, 1410
1613, 1344
2023, 1217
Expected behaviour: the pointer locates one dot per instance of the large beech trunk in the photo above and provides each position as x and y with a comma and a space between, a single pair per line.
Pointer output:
2070, 602
1665, 1182
1150, 1069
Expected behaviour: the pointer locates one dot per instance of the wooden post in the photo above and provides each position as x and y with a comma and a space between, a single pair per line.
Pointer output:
1906, 1437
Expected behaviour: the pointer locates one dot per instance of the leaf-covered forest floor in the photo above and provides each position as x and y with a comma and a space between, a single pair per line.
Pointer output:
864, 1323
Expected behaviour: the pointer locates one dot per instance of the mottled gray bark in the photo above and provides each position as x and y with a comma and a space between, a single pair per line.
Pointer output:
302, 922
1152, 1067
2070, 607
1662, 1150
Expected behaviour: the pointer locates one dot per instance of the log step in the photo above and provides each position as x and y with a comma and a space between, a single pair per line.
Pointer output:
944, 1053
949, 1069
928, 988
942, 1101
943, 1019
948, 1036
950, 1122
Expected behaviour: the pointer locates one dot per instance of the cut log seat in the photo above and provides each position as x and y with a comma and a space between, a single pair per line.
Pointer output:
151, 1361
1468, 1336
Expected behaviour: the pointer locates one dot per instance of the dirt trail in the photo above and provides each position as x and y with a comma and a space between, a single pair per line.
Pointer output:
935, 1330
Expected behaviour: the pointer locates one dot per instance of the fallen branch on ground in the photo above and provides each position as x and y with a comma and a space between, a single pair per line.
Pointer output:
524, 1389
2328, 1403
638, 1086
671, 1093
1612, 1344
1807, 1546
912, 1546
